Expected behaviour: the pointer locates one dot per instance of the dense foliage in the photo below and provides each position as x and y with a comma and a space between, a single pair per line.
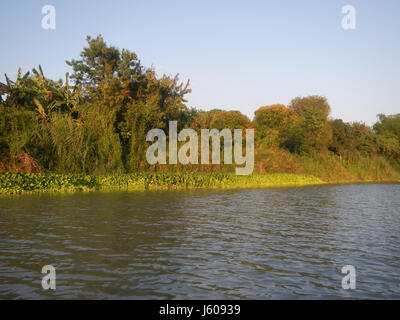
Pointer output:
94, 122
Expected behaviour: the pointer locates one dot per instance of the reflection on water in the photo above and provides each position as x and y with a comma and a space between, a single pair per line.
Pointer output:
203, 244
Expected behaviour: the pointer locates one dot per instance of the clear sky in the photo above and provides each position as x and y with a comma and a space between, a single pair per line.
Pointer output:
237, 54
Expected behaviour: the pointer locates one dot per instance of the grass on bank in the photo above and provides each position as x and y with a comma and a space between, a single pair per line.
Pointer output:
328, 167
18, 182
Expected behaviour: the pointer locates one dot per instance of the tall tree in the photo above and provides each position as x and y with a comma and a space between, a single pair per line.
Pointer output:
312, 130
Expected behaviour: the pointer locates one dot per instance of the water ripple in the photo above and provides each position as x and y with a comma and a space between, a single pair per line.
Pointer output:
204, 244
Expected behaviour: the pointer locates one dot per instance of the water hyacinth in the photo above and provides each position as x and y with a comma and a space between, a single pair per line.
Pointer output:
17, 182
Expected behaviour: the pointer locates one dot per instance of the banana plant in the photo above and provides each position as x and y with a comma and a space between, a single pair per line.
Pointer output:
16, 92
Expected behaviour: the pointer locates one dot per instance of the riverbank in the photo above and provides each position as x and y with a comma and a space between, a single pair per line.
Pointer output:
328, 167
26, 183
18, 183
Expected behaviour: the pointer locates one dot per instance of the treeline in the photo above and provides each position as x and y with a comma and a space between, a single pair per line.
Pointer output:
96, 120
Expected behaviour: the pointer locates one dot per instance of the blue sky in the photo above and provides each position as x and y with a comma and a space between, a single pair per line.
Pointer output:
237, 54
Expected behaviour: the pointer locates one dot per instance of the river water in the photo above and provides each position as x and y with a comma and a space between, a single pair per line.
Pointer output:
283, 243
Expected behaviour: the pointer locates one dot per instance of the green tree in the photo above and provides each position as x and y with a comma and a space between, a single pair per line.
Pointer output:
137, 100
388, 135
342, 141
312, 131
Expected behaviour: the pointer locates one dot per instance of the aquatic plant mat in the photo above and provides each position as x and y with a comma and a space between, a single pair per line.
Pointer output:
17, 182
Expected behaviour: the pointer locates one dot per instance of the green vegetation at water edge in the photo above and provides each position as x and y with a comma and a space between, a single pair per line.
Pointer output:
15, 183
95, 122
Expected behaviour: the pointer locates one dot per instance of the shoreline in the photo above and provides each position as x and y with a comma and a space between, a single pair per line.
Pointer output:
12, 183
